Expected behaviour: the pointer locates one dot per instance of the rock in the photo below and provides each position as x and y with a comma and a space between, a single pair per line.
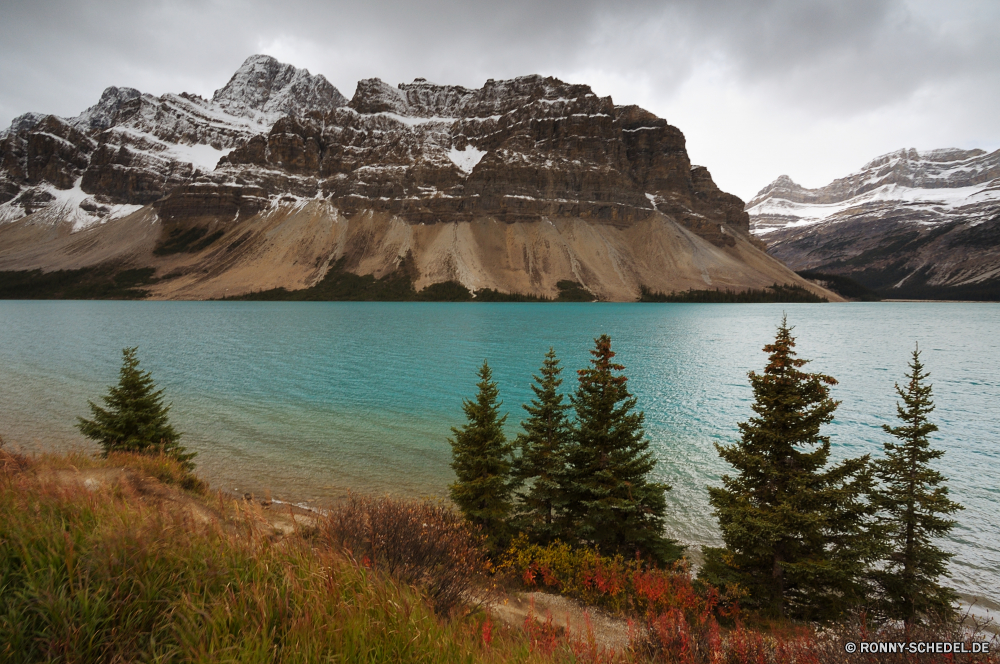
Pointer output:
264, 88
909, 224
132, 148
515, 186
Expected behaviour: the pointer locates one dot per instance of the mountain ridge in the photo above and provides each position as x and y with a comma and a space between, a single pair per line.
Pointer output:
908, 224
394, 170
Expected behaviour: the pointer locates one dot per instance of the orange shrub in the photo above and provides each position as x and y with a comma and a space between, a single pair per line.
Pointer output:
614, 583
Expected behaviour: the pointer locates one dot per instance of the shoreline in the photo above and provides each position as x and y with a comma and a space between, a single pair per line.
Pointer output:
973, 608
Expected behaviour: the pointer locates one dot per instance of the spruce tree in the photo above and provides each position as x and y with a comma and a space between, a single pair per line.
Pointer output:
542, 465
913, 505
614, 505
481, 458
134, 418
796, 530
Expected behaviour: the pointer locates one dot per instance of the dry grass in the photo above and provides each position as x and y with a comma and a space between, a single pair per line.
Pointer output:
124, 571
416, 542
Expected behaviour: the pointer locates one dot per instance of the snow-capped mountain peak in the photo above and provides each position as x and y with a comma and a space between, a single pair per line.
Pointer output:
909, 222
101, 115
131, 148
265, 90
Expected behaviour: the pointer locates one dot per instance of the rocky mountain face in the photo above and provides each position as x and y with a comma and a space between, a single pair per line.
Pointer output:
908, 224
130, 149
513, 186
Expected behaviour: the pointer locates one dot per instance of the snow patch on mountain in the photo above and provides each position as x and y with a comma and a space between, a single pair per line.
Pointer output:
929, 187
201, 156
466, 159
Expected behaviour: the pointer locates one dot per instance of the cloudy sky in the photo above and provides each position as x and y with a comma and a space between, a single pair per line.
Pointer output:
811, 89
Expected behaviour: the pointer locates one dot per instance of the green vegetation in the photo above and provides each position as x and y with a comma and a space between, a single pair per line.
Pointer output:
913, 505
612, 503
125, 557
490, 295
586, 481
135, 419
103, 574
481, 460
541, 465
774, 293
843, 286
340, 285
186, 241
795, 528
103, 282
572, 291
624, 586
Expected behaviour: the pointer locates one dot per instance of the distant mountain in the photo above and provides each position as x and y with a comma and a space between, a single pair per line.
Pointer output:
909, 224
517, 186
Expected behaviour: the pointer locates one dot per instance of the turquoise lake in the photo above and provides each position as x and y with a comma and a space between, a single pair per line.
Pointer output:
310, 400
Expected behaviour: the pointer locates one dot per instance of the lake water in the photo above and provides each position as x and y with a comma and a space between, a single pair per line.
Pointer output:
309, 400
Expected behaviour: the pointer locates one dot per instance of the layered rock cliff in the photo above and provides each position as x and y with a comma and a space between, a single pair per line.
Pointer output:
513, 186
909, 224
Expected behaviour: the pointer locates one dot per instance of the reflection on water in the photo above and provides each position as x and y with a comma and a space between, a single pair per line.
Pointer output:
308, 400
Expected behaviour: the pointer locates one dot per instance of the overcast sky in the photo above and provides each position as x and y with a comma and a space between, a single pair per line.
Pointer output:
808, 89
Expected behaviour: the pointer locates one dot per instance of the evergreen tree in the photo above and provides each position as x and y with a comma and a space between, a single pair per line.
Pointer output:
134, 419
613, 503
542, 463
913, 506
481, 458
796, 530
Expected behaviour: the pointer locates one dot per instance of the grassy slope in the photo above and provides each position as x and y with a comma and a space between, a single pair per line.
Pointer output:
111, 575
136, 570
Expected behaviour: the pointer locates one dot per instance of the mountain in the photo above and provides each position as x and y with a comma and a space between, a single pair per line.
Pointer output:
909, 224
279, 180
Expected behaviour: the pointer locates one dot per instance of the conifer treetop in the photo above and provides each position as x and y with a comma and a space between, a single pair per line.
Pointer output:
794, 526
542, 463
615, 503
481, 459
914, 506
134, 418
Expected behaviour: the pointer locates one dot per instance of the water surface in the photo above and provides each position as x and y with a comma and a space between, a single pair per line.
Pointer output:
308, 400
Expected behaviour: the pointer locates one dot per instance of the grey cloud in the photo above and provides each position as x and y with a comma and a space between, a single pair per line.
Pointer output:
834, 60
874, 49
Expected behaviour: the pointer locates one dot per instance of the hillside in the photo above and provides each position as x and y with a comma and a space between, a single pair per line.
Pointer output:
908, 224
514, 186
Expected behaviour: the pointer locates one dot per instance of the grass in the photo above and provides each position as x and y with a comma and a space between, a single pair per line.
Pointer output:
105, 575
111, 573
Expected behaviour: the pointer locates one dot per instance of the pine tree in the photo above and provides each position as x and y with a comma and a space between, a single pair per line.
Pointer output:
613, 503
913, 505
135, 419
481, 458
542, 465
796, 531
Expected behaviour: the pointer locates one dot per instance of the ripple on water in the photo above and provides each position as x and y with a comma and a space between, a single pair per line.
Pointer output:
312, 399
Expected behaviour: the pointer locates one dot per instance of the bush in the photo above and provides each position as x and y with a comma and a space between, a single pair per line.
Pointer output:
417, 542
614, 583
